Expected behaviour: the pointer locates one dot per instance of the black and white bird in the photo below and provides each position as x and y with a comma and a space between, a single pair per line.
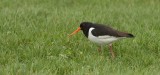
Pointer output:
102, 34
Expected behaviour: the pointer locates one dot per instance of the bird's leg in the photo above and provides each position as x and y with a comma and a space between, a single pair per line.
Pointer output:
111, 51
100, 49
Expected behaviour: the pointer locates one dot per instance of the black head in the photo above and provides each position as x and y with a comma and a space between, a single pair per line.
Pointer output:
85, 27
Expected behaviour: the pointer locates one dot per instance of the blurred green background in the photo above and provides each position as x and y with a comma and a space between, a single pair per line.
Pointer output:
33, 37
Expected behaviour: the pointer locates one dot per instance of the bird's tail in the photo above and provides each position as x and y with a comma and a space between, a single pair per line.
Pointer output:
130, 35
125, 34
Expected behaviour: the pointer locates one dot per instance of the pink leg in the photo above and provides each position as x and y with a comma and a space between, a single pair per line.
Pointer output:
111, 51
99, 49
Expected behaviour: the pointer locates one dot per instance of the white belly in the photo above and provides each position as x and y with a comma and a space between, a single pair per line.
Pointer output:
101, 39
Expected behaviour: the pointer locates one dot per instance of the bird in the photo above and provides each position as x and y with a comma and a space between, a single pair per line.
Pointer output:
101, 34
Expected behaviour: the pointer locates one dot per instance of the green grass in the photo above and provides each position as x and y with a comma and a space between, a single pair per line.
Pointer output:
33, 37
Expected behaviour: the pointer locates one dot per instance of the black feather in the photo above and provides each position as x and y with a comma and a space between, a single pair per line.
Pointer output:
130, 35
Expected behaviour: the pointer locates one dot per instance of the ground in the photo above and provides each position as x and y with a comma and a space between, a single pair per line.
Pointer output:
34, 37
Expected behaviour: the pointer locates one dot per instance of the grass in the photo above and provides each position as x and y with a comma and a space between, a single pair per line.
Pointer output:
33, 37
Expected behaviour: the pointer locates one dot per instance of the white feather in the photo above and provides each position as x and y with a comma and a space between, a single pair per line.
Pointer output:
101, 39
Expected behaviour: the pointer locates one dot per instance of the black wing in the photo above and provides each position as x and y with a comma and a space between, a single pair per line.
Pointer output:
101, 30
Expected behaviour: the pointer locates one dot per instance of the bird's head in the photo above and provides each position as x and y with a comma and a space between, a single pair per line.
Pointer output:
84, 26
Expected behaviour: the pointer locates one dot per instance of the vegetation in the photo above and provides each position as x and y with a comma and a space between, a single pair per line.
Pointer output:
33, 37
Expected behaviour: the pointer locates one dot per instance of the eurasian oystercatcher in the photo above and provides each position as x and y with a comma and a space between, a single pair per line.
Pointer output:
102, 34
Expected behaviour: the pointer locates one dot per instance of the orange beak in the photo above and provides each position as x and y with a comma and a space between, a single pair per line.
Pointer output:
76, 31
